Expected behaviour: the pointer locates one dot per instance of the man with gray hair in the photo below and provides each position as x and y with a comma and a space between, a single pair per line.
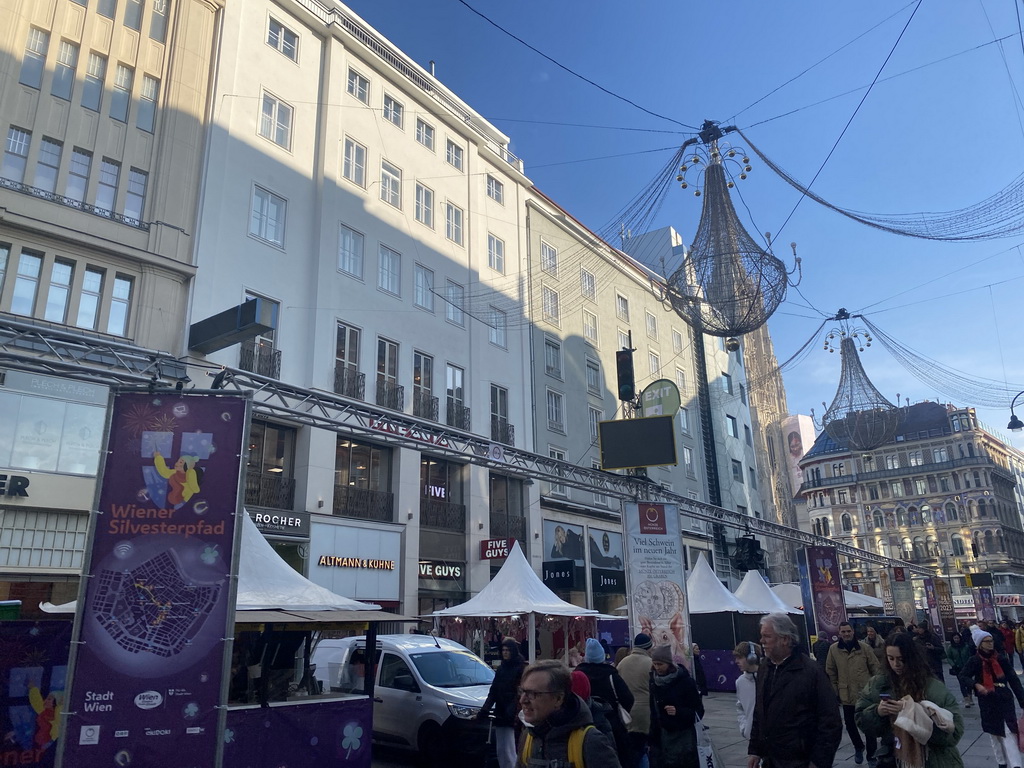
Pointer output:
796, 721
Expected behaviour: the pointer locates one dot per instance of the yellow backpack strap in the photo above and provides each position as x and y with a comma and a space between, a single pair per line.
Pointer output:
576, 746
524, 754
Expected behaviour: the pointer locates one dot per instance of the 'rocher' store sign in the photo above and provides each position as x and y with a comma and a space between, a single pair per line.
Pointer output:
283, 523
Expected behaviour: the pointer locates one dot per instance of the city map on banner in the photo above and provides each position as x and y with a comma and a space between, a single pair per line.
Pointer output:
146, 679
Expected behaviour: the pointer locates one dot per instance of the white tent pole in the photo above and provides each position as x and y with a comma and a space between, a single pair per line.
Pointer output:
565, 639
531, 629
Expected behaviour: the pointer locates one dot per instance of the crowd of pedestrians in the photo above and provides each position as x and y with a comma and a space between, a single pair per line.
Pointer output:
645, 710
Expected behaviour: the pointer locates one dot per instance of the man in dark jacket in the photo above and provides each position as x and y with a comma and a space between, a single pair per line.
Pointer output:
796, 721
503, 701
932, 648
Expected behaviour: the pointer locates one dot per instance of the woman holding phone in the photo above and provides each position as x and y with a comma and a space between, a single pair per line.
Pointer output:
907, 674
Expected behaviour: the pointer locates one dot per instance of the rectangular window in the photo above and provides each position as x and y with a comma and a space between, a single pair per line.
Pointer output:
107, 8
453, 223
557, 489
425, 134
600, 499
549, 304
652, 325
106, 189
64, 72
283, 39
748, 435
688, 461
425, 205
454, 378
727, 382
453, 154
737, 471
95, 73
595, 417
623, 339
57, 296
622, 307
122, 94
920, 486
548, 258
16, 154
593, 377
590, 326
268, 216
78, 175
89, 300
588, 284
684, 420
752, 478
34, 63
26, 284
133, 15
394, 112
454, 295
497, 328
358, 86
158, 20
681, 380
897, 488
423, 288
346, 349
48, 164
677, 341
350, 251
495, 253
120, 306
654, 363
731, 426
389, 270
552, 358
743, 394
422, 374
135, 194
145, 115
276, 121
353, 167
495, 190
556, 411
390, 184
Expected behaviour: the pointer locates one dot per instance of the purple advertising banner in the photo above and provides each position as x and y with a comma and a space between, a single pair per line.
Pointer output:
827, 589
984, 604
33, 681
931, 600
947, 612
146, 677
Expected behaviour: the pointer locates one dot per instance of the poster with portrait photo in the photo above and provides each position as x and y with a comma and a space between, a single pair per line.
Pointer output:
563, 541
607, 574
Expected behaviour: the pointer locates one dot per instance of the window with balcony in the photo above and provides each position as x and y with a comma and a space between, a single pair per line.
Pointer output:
441, 499
260, 355
270, 480
424, 403
48, 164
78, 175
390, 394
135, 194
456, 413
16, 154
362, 481
501, 430
348, 381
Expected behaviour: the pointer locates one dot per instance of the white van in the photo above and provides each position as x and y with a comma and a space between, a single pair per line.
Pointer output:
427, 692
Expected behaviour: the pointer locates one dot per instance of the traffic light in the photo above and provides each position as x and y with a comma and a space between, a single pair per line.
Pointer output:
748, 555
624, 372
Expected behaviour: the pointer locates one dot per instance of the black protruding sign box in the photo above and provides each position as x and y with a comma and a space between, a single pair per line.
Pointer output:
646, 442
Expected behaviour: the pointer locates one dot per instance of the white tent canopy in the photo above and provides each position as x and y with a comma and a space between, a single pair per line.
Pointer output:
755, 592
515, 589
790, 595
708, 595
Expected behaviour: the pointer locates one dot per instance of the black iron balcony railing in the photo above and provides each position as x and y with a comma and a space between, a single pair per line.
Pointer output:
424, 404
390, 395
502, 431
70, 202
441, 514
503, 527
349, 382
457, 415
260, 358
920, 469
269, 489
364, 503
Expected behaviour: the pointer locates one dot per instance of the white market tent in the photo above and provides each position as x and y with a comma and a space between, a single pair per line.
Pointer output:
790, 594
516, 590
708, 595
754, 591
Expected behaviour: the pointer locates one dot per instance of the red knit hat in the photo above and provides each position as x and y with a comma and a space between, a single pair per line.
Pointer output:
580, 684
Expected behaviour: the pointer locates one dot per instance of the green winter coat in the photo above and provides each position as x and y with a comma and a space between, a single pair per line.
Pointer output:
957, 656
942, 749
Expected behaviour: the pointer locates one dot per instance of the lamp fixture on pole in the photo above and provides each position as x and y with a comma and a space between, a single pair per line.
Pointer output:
1015, 425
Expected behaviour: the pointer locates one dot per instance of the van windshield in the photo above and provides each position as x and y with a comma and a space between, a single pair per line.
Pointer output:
452, 669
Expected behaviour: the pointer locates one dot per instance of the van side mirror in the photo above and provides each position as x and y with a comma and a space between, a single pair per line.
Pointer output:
405, 682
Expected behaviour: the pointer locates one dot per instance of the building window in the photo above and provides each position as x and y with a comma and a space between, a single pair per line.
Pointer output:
346, 351
677, 341
268, 216
455, 295
425, 205
495, 190
652, 326
593, 377
897, 488
743, 394
34, 63
122, 95
106, 189
158, 20
940, 455
684, 420
64, 72
89, 301
654, 363
358, 86
495, 253
892, 461
556, 411
425, 134
394, 112
588, 284
107, 8
688, 461
497, 328
595, 421
453, 223
681, 380
752, 477
135, 194
727, 383
276, 121
730, 426
145, 115
283, 39
95, 73
389, 270
26, 283
48, 164
916, 458
737, 471
552, 358
548, 258
120, 306
387, 363
622, 308
133, 15
549, 300
748, 435
454, 377
600, 499
453, 154
920, 486
353, 165
557, 489
16, 154
390, 184
590, 326
423, 288
78, 175
350, 251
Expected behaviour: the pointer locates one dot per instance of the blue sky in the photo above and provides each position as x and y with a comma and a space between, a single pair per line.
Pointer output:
941, 129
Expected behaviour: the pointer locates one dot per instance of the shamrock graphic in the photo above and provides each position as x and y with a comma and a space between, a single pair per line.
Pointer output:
353, 738
191, 709
229, 735
209, 555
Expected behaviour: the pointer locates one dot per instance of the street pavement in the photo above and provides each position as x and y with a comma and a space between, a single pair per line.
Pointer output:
720, 716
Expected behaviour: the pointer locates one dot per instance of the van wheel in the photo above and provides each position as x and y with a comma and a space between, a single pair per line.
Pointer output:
429, 745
